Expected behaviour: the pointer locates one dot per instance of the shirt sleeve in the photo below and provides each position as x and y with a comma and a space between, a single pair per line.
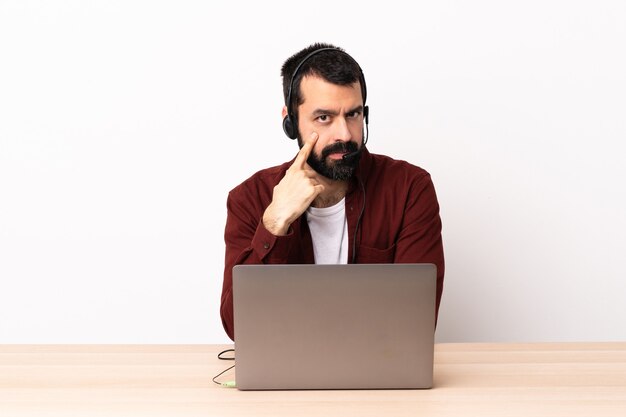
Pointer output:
247, 242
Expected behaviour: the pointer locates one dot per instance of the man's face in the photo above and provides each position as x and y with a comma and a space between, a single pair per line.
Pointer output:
335, 113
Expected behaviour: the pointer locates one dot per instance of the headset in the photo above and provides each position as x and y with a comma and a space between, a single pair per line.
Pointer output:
290, 122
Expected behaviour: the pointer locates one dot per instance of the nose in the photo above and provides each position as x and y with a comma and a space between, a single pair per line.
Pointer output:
342, 132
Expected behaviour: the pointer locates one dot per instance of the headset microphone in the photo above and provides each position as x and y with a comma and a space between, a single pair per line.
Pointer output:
349, 156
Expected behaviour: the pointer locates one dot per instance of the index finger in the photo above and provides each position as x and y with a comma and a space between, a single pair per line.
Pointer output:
305, 151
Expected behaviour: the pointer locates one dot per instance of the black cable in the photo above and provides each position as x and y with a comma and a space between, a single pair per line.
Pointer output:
219, 356
223, 384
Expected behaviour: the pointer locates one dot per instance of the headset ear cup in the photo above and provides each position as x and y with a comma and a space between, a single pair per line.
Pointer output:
288, 127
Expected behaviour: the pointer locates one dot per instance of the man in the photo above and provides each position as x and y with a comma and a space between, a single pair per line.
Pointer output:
335, 202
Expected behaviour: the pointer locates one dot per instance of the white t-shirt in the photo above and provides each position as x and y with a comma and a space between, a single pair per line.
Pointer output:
329, 232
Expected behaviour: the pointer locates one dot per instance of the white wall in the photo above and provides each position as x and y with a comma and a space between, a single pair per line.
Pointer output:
124, 124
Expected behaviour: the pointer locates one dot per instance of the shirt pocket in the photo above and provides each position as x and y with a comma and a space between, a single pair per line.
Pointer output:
367, 255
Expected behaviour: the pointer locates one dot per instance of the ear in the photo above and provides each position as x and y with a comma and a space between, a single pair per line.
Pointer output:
284, 112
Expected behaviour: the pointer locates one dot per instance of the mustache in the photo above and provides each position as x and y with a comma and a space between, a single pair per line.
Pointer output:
343, 147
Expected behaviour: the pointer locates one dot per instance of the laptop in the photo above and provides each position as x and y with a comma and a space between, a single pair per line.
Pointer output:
356, 326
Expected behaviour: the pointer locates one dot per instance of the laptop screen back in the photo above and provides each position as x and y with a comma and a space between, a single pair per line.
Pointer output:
334, 326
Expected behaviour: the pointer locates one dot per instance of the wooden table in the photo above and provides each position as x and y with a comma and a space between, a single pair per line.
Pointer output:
567, 379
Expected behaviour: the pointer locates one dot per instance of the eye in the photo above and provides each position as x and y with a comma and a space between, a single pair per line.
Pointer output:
323, 118
353, 114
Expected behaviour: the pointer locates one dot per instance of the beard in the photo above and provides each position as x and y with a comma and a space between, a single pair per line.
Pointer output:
340, 169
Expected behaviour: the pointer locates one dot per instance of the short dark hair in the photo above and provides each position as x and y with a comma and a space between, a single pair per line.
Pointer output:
334, 66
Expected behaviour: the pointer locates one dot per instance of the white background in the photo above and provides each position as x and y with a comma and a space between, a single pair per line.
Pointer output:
123, 124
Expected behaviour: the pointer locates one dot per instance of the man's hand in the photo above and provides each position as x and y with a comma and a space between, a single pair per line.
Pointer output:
294, 193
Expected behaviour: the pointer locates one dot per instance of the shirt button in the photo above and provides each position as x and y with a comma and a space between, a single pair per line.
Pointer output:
266, 245
351, 208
